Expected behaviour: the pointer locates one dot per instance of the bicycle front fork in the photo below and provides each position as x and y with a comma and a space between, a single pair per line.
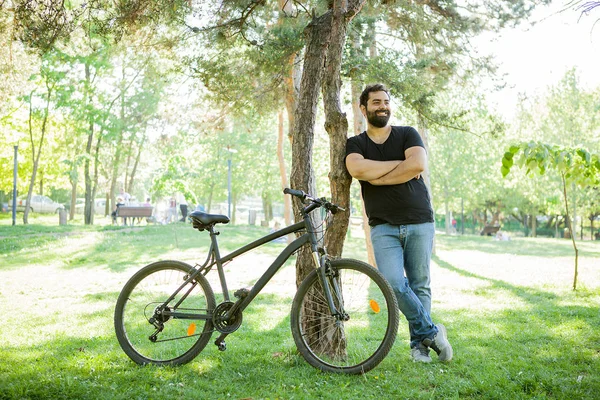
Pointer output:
330, 285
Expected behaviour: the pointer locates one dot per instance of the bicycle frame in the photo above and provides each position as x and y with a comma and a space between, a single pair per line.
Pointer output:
270, 272
214, 258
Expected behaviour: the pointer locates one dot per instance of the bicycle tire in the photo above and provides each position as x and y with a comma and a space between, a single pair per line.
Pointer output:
181, 340
354, 346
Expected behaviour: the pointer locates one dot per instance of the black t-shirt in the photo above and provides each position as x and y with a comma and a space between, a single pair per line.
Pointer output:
402, 204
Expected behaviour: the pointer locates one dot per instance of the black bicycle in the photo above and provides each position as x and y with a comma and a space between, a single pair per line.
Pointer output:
344, 316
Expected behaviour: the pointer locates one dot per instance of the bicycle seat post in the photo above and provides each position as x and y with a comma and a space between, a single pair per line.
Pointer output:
215, 246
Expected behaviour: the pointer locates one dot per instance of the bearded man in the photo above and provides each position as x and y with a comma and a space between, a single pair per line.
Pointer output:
388, 162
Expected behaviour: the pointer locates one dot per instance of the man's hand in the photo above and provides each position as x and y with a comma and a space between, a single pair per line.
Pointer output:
412, 167
366, 170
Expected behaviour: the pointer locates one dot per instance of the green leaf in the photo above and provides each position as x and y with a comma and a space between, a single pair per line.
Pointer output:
532, 164
507, 162
514, 149
504, 171
584, 155
508, 155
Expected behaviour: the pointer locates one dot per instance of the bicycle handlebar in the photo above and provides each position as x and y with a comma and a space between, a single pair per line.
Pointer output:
322, 202
294, 192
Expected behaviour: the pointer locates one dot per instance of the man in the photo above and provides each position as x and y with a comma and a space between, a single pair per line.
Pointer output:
183, 207
125, 197
388, 161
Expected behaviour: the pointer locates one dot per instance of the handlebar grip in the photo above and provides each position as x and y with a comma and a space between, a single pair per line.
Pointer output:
334, 208
294, 192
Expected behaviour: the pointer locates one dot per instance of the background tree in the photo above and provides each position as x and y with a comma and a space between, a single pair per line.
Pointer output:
564, 115
39, 120
575, 166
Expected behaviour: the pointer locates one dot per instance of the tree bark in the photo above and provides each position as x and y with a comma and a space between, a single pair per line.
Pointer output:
336, 125
95, 178
287, 203
291, 89
360, 126
136, 162
87, 209
302, 175
73, 199
325, 37
117, 157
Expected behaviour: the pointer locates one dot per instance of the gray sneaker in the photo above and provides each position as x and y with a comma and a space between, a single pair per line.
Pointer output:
440, 344
420, 353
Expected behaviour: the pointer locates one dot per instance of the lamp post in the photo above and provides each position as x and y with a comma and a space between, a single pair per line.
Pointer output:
230, 151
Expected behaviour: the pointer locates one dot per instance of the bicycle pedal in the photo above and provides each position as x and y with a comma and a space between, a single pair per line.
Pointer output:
241, 293
221, 346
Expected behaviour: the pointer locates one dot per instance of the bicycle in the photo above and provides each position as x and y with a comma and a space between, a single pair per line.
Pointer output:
344, 315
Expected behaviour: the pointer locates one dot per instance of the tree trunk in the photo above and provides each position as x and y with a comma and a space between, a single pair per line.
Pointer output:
336, 125
41, 182
126, 178
136, 162
73, 199
95, 178
424, 133
291, 89
325, 37
87, 209
302, 174
360, 126
568, 223
36, 157
573, 219
117, 157
287, 202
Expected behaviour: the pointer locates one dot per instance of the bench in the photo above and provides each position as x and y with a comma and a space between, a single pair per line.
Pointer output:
134, 212
489, 230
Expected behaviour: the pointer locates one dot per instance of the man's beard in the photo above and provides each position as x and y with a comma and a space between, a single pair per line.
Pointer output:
378, 121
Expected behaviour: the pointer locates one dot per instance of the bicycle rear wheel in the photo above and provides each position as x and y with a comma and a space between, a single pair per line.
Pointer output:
137, 322
358, 342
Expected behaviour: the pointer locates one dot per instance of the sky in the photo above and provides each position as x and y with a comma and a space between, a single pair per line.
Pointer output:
533, 57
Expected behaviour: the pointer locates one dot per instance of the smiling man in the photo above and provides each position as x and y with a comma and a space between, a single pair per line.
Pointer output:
388, 162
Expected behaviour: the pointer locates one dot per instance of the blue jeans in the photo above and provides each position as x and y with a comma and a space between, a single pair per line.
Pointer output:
403, 254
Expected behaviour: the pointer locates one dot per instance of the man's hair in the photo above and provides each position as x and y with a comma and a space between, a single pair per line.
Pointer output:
376, 87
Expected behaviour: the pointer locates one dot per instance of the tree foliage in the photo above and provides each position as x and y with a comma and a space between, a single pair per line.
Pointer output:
575, 165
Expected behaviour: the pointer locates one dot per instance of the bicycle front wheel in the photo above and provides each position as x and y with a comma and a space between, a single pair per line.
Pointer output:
358, 339
145, 326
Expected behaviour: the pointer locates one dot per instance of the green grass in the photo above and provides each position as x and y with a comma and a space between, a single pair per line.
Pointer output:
517, 328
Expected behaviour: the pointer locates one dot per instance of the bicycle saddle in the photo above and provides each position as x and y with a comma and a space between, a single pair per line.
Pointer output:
201, 219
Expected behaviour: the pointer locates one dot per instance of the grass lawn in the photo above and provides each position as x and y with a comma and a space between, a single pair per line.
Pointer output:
517, 328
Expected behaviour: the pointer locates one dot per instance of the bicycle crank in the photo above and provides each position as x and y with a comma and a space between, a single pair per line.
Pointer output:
222, 324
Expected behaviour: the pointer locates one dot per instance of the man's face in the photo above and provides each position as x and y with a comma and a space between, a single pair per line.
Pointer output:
378, 109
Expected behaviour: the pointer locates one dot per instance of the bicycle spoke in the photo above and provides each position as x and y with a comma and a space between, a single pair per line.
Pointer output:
360, 337
145, 326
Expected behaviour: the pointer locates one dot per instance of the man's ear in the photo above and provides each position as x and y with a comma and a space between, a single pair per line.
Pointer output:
363, 110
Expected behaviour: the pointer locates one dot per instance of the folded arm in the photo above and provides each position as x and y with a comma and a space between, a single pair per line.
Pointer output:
412, 167
366, 170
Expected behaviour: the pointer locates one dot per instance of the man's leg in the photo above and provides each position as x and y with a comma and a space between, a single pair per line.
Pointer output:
418, 245
389, 254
